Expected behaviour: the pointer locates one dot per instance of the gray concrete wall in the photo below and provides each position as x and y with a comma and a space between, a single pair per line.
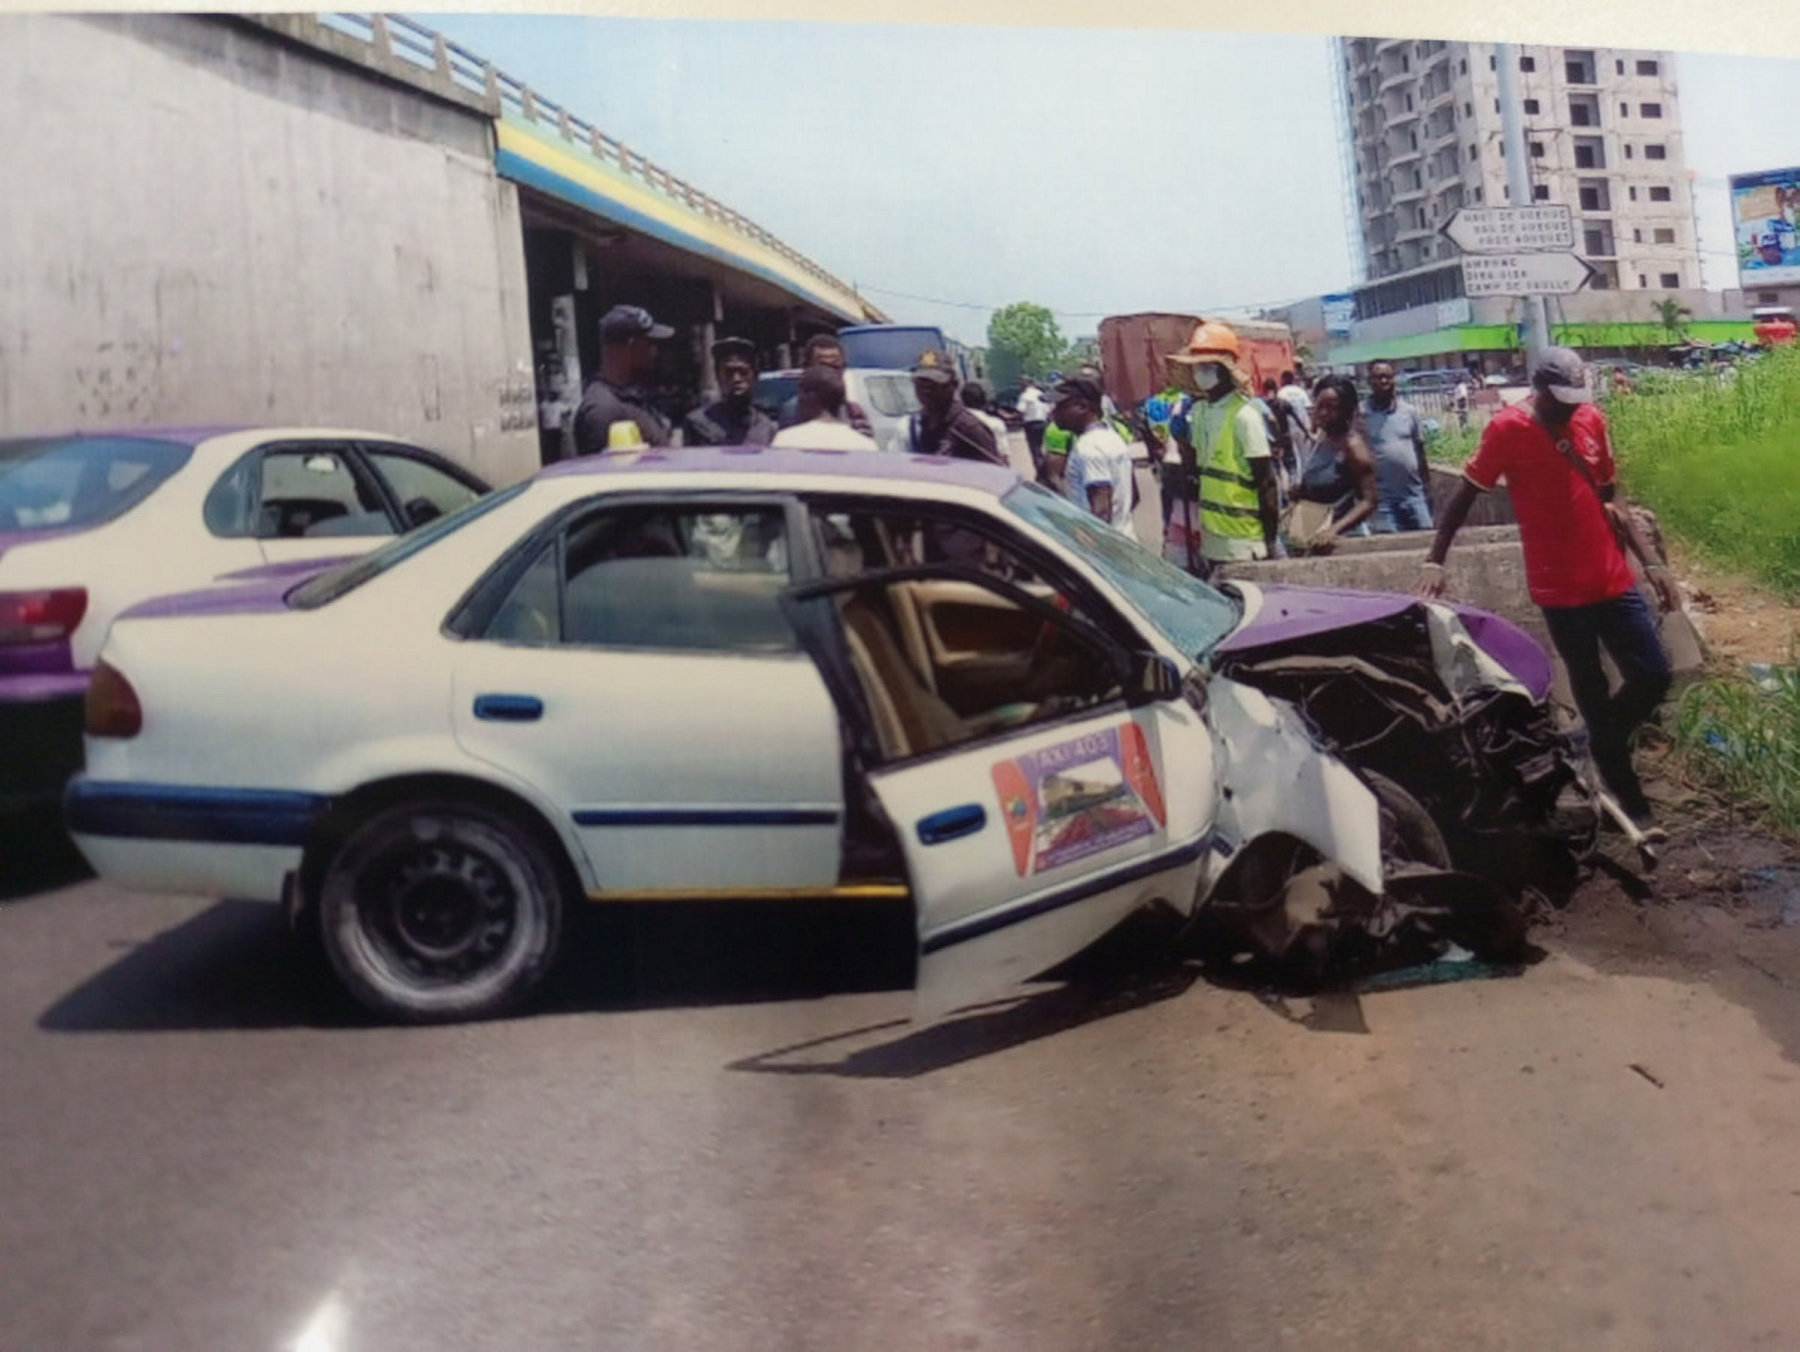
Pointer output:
1485, 568
203, 222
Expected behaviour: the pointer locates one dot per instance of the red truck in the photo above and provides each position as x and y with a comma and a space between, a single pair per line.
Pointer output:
1132, 348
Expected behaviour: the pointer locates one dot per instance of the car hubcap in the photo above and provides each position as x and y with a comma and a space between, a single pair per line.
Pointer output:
443, 912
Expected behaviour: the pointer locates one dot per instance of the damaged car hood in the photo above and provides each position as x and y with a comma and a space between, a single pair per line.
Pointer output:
1278, 615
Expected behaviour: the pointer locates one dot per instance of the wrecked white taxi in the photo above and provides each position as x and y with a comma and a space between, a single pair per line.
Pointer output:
755, 673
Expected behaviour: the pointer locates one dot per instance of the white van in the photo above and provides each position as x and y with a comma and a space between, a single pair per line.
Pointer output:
886, 396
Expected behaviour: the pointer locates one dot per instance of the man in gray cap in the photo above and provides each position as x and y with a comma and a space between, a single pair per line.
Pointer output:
731, 419
1557, 462
628, 339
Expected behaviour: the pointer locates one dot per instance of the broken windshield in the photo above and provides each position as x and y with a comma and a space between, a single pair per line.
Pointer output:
1190, 614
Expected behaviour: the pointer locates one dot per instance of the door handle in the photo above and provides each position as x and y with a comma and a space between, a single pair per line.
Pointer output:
952, 824
509, 708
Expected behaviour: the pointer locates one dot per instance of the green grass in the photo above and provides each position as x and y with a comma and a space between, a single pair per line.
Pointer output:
1743, 738
1719, 462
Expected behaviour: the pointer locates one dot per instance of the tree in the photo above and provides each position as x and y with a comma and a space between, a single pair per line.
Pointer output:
1673, 316
1023, 340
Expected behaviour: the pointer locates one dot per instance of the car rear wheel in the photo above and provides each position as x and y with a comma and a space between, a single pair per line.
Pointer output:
438, 911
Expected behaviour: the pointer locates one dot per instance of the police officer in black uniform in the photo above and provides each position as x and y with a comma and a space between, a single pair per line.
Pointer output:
628, 339
731, 419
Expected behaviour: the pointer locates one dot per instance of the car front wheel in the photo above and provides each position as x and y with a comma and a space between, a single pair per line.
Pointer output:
433, 912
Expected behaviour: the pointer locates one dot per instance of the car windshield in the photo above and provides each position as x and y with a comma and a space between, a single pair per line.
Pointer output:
61, 483
347, 577
1190, 614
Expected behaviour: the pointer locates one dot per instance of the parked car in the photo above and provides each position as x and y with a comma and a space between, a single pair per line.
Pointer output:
90, 524
750, 674
886, 396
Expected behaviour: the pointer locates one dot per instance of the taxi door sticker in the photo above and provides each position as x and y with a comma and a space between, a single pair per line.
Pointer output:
1078, 798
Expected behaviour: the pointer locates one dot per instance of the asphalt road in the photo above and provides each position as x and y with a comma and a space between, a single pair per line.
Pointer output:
726, 1133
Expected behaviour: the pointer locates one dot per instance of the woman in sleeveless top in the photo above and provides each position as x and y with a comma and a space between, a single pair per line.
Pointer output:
1337, 478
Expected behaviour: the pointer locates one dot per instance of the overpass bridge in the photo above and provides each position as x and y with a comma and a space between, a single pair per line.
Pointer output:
346, 219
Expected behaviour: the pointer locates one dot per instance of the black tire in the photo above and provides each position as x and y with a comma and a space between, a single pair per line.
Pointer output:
1408, 833
434, 912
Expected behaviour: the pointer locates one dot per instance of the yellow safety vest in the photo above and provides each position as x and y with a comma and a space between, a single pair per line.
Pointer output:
1229, 506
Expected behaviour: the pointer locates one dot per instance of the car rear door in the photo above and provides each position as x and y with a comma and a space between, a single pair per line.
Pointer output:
634, 667
1029, 828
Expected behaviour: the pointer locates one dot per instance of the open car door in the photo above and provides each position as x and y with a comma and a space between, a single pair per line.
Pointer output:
1032, 819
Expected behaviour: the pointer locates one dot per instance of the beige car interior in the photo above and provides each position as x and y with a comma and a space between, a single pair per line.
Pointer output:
942, 661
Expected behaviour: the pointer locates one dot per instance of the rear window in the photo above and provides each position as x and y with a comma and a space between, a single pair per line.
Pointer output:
891, 396
347, 577
64, 482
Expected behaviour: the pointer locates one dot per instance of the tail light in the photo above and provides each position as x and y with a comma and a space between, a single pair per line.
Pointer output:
41, 616
112, 705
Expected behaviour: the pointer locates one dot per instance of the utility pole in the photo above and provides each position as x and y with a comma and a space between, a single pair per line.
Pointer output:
1518, 182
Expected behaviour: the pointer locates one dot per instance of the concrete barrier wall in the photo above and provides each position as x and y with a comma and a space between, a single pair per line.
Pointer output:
1486, 568
202, 222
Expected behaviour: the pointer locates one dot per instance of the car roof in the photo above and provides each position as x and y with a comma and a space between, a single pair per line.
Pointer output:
861, 466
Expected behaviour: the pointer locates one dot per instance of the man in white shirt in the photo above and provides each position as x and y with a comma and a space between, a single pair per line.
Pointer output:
975, 399
1034, 412
1098, 473
824, 424
1294, 394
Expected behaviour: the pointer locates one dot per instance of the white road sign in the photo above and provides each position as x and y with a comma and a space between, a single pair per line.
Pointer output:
1523, 274
1484, 230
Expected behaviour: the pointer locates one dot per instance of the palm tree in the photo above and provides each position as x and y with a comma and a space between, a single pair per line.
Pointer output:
1673, 316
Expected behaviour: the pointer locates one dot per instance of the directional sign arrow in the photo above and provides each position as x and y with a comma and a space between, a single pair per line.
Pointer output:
1524, 274
1511, 229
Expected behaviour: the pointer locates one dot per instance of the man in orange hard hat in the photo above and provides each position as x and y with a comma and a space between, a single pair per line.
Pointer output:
1239, 498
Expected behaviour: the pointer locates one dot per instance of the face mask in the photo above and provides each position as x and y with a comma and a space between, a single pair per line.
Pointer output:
1209, 378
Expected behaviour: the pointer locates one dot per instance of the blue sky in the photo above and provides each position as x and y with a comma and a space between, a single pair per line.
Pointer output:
949, 170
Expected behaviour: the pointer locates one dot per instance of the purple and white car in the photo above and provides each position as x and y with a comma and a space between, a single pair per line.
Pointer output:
93, 523
743, 674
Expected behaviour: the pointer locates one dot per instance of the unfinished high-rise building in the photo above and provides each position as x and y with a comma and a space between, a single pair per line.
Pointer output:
1602, 134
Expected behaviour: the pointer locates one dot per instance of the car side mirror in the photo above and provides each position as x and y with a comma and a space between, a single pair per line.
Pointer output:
1154, 678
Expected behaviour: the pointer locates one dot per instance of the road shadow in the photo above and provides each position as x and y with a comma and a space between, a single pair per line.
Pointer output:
1137, 965
36, 855
236, 965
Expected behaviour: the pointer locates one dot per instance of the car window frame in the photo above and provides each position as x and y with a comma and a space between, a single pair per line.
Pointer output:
368, 449
475, 611
810, 604
251, 463
1108, 618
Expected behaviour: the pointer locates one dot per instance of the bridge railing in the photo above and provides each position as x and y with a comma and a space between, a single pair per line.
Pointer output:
400, 38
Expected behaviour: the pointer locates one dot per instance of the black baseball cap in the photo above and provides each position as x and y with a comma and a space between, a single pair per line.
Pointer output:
734, 347
1083, 387
624, 322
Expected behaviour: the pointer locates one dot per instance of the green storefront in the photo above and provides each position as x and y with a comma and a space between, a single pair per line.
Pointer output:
1497, 345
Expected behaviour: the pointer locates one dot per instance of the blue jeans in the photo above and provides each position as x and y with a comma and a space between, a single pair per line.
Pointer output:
1625, 626
1412, 512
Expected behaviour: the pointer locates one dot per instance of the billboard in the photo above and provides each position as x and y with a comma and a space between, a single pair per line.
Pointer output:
1340, 314
1765, 211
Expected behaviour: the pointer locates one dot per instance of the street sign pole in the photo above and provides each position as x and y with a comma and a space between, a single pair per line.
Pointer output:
1518, 182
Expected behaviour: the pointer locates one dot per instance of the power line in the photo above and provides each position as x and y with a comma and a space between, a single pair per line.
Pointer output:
1075, 314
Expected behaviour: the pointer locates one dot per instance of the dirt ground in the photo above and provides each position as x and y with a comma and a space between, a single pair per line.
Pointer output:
1740, 621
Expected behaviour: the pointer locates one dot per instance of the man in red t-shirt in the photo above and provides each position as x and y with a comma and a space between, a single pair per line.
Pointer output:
1558, 465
